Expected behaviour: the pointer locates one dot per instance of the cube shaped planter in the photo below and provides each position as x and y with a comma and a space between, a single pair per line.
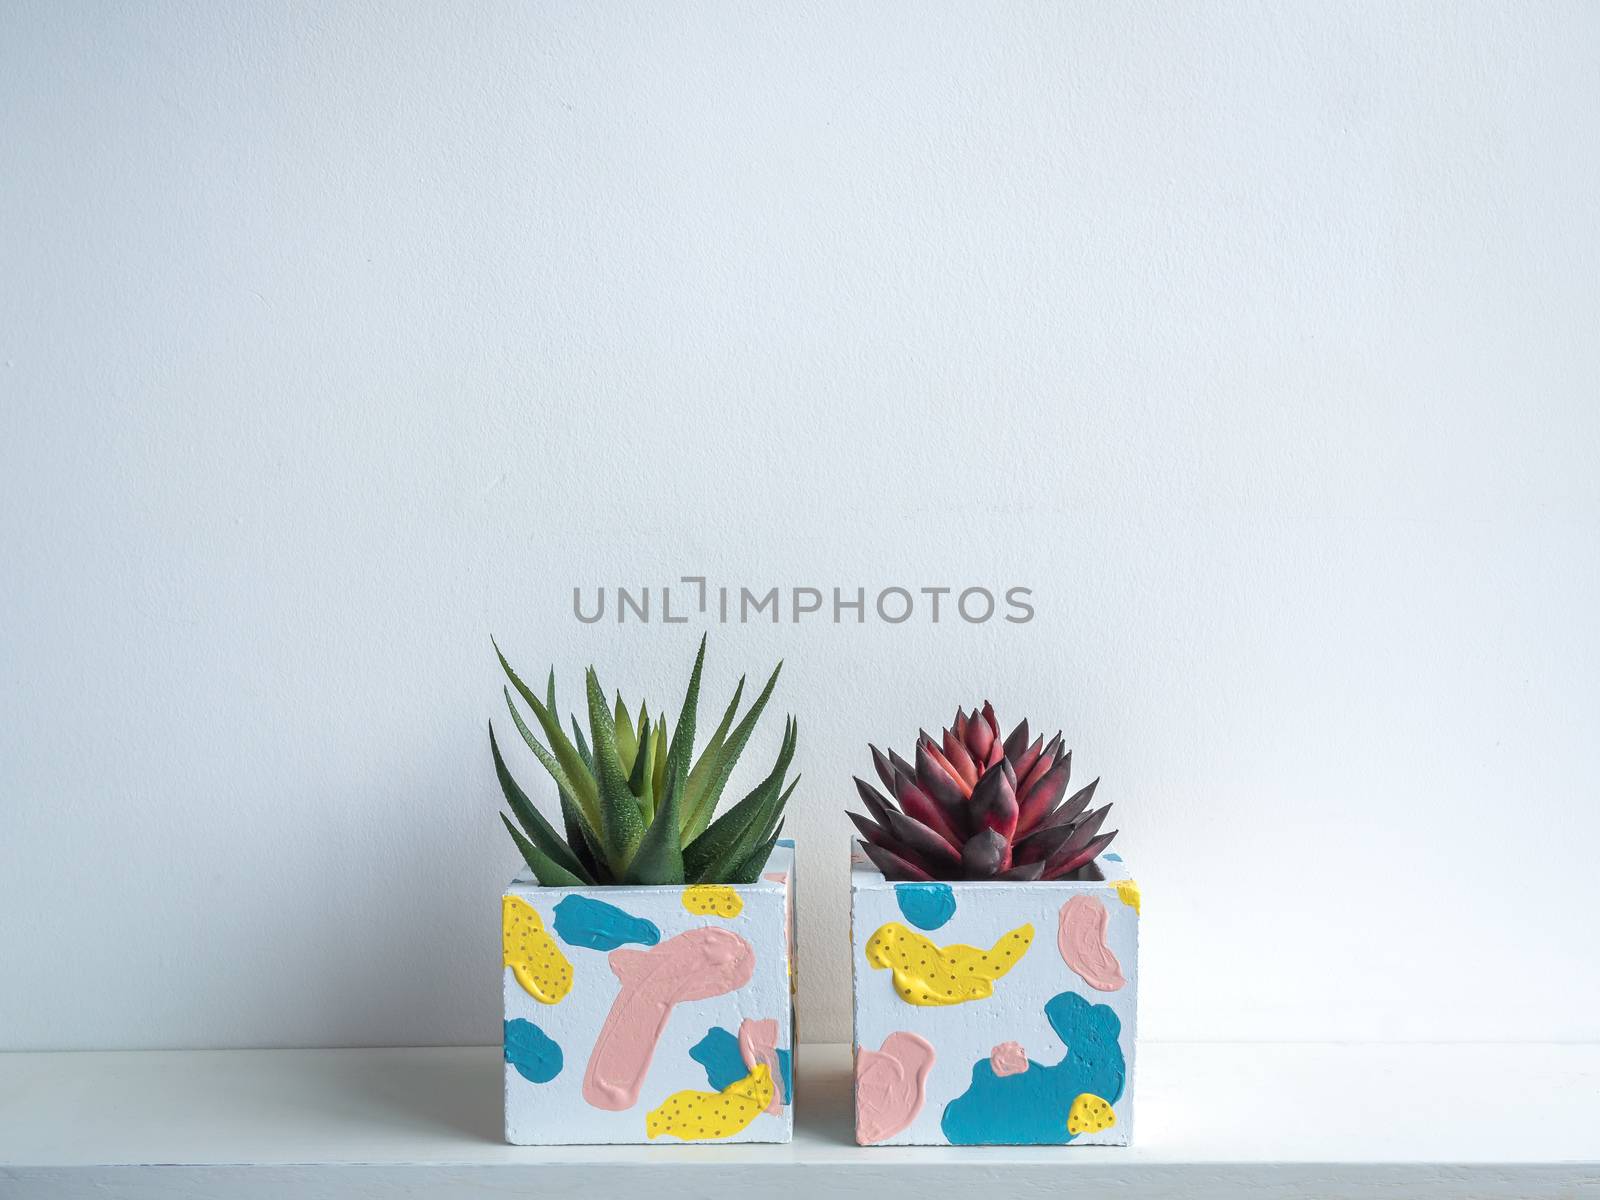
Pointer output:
650, 1014
994, 1013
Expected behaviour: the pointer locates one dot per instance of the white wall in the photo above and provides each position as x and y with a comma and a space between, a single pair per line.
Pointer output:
1259, 340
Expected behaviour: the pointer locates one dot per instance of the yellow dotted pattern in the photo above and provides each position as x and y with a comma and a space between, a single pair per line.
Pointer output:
926, 975
713, 900
1128, 893
531, 953
698, 1116
1090, 1114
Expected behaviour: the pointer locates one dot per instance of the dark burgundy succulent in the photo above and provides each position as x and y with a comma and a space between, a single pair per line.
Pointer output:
976, 806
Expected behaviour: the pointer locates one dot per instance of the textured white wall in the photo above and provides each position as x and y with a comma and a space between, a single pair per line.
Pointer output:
1258, 340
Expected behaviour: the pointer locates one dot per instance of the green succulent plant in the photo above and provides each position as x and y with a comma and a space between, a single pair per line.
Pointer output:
636, 804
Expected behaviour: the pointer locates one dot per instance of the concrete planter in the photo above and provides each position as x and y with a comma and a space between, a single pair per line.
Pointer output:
994, 1013
650, 1014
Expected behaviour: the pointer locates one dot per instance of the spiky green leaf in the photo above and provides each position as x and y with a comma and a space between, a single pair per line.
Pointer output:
659, 859
731, 837
584, 841
761, 829
539, 831
583, 745
627, 735
643, 775
582, 783
620, 826
545, 869
660, 856
704, 769
658, 755
681, 751
549, 761
750, 870
775, 817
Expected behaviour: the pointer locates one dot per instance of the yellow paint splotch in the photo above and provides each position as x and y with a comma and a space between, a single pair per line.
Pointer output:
1128, 892
928, 975
713, 900
532, 954
697, 1116
1090, 1114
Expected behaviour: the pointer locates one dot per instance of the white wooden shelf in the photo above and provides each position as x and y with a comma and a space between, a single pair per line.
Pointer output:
1215, 1120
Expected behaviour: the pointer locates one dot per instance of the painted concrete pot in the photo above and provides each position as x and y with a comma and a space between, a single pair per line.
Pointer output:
650, 1014
994, 1013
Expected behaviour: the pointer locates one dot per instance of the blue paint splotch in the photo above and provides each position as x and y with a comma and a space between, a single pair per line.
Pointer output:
718, 1053
1030, 1108
1112, 857
786, 1069
926, 905
532, 1052
596, 925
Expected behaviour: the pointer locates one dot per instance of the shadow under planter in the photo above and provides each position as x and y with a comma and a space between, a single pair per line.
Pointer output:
636, 1014
994, 1013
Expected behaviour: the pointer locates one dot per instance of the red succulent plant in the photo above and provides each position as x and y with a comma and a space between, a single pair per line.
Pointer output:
976, 806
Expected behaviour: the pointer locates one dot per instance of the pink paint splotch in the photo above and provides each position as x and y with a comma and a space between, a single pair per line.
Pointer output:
1008, 1058
758, 1043
891, 1085
695, 965
1082, 939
